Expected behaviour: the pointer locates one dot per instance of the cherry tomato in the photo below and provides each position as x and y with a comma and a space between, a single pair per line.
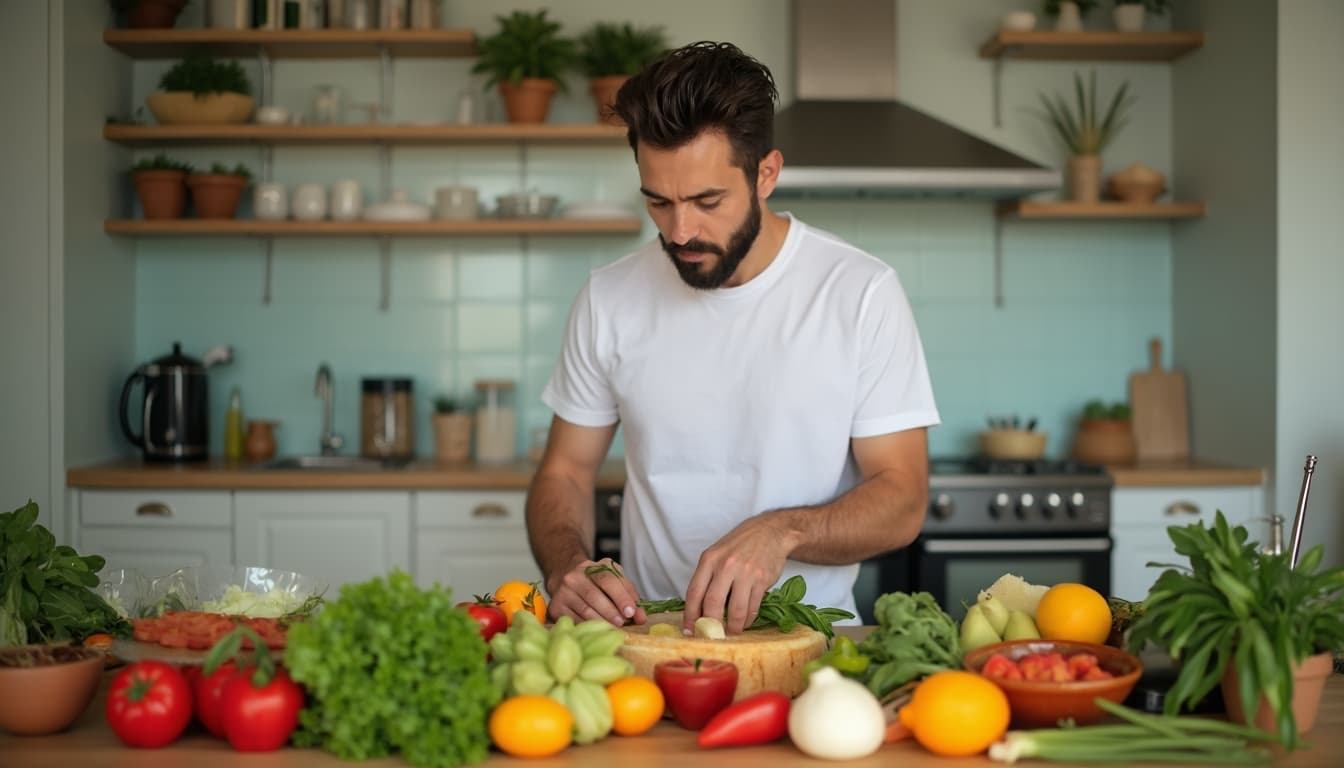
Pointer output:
696, 690
148, 704
485, 610
209, 690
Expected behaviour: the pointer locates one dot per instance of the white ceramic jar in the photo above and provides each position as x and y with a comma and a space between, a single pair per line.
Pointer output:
270, 201
455, 203
347, 200
310, 202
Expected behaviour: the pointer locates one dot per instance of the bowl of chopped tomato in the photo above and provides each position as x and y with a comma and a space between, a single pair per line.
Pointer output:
45, 688
1047, 681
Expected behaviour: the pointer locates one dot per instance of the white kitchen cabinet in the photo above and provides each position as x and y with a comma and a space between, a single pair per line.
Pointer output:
1140, 518
155, 531
472, 541
337, 537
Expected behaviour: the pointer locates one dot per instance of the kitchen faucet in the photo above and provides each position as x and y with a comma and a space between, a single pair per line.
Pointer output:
330, 442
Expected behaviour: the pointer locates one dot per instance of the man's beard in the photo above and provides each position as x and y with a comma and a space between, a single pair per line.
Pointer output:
729, 257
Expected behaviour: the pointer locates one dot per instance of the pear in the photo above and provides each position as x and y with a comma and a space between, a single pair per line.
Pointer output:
1020, 627
976, 630
994, 610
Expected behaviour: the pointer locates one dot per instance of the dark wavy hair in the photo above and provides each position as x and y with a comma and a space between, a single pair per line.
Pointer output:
704, 86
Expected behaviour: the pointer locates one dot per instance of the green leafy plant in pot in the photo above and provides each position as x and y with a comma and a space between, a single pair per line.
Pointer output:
160, 184
1068, 14
452, 430
200, 90
216, 193
610, 53
1129, 15
1086, 131
1104, 434
527, 59
1248, 621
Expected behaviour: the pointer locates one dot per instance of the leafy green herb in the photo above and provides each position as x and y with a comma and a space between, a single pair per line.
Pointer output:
914, 637
203, 75
607, 49
527, 44
593, 570
781, 607
162, 162
46, 591
389, 666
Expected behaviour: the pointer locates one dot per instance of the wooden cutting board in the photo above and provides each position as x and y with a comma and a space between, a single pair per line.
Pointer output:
1161, 417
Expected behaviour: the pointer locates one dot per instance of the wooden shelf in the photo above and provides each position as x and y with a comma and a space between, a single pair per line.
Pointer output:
250, 133
1090, 46
293, 43
1041, 209
256, 228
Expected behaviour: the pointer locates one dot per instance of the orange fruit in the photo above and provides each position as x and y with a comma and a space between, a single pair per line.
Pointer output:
636, 705
1074, 612
956, 713
514, 596
531, 726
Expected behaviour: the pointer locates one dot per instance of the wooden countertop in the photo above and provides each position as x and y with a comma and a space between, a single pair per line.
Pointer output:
1186, 472
424, 474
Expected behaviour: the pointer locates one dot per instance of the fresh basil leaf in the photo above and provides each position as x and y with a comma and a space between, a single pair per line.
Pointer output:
793, 589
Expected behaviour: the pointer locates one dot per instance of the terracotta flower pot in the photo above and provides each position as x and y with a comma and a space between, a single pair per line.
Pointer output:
216, 195
1085, 178
1308, 686
154, 14
163, 194
452, 436
604, 96
528, 101
1104, 441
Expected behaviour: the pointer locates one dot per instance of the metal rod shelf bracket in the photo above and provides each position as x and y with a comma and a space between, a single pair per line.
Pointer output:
997, 91
267, 76
385, 105
385, 171
998, 263
384, 273
267, 271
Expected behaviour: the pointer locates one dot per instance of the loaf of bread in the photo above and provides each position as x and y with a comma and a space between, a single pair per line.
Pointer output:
766, 659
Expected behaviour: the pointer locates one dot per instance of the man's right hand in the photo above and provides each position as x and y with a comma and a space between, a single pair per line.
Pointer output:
593, 589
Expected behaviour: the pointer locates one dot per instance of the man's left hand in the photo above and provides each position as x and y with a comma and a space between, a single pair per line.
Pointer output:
736, 572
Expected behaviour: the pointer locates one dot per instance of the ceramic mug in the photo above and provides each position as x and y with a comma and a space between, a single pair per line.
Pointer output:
455, 203
270, 202
347, 200
310, 202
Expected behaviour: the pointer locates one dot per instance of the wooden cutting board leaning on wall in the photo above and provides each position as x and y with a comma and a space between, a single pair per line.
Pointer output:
1161, 417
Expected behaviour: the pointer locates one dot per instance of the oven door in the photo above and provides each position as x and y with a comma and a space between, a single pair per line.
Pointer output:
955, 570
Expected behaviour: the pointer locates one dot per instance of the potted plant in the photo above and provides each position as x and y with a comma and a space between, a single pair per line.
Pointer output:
1129, 14
526, 59
216, 193
452, 430
1068, 14
160, 183
1083, 134
201, 90
1248, 621
1104, 434
149, 14
609, 54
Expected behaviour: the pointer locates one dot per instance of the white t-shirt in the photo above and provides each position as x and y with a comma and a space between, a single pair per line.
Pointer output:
740, 400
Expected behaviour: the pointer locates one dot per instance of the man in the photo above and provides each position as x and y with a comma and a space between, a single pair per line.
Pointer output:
770, 378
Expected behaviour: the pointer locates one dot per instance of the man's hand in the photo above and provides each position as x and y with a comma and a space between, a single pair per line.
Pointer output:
594, 589
736, 572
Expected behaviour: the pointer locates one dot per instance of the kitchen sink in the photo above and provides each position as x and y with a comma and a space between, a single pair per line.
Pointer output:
334, 463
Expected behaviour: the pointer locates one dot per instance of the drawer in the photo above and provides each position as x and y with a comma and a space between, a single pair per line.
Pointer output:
478, 509
148, 507
1161, 507
157, 552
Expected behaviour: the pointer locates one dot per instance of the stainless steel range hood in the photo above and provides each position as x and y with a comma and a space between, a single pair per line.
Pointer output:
847, 135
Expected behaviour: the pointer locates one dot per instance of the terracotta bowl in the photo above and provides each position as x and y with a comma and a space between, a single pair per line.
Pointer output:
47, 698
1013, 444
1043, 705
183, 108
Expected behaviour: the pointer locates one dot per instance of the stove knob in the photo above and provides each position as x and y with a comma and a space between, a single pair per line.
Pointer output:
1000, 505
943, 507
1025, 504
1077, 503
1053, 503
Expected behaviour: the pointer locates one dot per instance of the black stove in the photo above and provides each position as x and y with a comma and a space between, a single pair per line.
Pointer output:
982, 496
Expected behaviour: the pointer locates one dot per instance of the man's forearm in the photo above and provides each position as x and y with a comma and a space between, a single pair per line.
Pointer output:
559, 523
882, 513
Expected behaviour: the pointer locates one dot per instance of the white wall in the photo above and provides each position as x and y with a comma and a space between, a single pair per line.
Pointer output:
1311, 265
25, 279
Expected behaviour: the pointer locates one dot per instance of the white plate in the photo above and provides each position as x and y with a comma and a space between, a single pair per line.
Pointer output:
596, 211
397, 212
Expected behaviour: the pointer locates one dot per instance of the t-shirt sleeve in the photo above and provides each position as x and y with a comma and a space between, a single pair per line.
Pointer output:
579, 391
894, 392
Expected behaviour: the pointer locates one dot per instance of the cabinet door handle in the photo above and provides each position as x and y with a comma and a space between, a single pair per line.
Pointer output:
1182, 508
154, 509
490, 510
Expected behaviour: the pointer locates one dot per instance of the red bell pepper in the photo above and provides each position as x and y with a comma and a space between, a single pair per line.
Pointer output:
758, 719
696, 690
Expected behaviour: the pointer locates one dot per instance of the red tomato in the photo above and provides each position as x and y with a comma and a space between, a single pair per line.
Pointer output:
487, 612
148, 704
696, 690
1002, 667
260, 719
758, 719
209, 690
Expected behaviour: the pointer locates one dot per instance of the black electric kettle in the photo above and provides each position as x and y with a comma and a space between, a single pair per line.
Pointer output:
176, 417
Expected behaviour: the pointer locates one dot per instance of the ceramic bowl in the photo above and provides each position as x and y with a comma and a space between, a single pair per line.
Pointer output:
272, 115
1037, 704
183, 108
1021, 21
46, 697
527, 206
1019, 444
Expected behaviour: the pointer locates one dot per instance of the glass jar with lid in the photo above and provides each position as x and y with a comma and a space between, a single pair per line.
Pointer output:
386, 418
496, 422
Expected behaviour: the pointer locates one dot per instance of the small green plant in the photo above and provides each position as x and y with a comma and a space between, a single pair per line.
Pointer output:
221, 169
162, 162
1155, 7
1081, 131
203, 75
619, 49
1051, 7
1096, 410
526, 45
448, 404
